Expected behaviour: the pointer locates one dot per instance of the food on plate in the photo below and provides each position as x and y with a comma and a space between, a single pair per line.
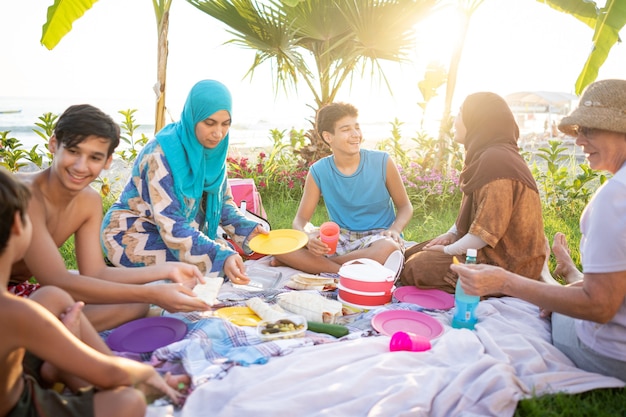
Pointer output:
285, 328
302, 281
282, 325
208, 291
267, 312
312, 306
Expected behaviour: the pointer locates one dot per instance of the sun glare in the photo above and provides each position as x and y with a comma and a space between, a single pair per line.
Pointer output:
436, 37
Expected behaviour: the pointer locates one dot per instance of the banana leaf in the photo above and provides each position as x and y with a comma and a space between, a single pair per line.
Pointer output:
606, 22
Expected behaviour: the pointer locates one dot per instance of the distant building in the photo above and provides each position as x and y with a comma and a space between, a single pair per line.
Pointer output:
539, 112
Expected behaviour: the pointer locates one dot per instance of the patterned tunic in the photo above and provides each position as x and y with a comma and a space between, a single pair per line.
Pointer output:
148, 225
506, 214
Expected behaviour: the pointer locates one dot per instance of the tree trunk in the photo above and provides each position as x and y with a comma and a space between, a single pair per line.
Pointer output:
159, 88
455, 60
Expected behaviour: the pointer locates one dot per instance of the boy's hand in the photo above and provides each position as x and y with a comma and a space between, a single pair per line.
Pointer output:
395, 236
315, 245
177, 298
183, 273
159, 383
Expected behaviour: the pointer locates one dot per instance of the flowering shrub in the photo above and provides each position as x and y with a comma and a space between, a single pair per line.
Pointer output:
279, 174
430, 188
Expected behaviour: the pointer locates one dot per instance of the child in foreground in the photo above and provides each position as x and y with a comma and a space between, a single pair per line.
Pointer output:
37, 349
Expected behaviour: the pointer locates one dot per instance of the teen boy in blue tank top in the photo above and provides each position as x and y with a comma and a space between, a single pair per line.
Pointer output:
363, 193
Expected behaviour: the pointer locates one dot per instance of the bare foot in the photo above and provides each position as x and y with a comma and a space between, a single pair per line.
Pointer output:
71, 318
276, 262
565, 267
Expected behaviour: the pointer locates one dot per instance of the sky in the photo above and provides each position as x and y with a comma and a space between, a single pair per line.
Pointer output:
109, 60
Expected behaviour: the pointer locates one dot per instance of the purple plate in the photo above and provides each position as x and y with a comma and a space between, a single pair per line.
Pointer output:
146, 335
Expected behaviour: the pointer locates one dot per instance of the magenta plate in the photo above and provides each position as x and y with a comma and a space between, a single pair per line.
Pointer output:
146, 335
425, 298
391, 321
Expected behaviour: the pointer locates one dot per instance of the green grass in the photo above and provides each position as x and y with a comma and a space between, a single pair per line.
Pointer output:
596, 403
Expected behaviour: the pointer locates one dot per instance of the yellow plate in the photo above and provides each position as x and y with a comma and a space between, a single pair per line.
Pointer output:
241, 316
278, 242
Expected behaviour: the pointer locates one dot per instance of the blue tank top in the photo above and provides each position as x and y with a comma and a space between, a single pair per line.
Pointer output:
360, 201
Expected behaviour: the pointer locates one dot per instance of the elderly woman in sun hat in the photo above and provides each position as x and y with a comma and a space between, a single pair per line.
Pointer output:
589, 315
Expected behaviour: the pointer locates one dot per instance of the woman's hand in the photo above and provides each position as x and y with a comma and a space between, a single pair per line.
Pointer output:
435, 248
443, 240
235, 270
258, 230
481, 279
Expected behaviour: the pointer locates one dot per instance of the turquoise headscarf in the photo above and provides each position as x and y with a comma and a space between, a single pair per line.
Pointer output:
197, 169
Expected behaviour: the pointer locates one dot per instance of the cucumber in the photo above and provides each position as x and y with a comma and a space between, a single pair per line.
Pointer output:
336, 330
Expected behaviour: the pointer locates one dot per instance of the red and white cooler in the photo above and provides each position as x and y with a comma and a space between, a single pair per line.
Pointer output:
364, 283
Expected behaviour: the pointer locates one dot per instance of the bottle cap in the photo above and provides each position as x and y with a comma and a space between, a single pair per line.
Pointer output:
472, 252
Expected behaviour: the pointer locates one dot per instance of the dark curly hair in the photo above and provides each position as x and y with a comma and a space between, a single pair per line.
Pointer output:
83, 120
15, 197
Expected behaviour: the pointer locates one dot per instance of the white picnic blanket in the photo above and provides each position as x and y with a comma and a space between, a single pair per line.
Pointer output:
484, 372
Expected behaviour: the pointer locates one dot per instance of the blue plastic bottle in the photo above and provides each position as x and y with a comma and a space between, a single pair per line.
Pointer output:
465, 305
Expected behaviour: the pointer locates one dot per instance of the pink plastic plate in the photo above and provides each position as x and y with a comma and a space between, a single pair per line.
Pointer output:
391, 321
425, 298
146, 335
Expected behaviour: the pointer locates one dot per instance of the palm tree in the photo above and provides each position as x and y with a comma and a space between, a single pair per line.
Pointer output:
63, 13
321, 43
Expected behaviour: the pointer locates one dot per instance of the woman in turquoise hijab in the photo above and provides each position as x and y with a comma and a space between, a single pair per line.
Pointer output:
178, 195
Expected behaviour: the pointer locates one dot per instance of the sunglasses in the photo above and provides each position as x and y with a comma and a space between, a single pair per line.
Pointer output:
587, 132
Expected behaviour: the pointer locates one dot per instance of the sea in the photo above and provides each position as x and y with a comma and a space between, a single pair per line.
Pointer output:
19, 115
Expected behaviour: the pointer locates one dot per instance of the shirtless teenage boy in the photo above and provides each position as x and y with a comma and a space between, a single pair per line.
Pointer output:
63, 204
30, 331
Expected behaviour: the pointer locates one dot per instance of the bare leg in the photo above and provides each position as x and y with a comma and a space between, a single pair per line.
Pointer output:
123, 401
546, 276
61, 304
71, 318
304, 261
565, 266
110, 316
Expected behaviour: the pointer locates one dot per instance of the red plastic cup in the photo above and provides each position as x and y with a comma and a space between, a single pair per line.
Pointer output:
329, 234
408, 341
